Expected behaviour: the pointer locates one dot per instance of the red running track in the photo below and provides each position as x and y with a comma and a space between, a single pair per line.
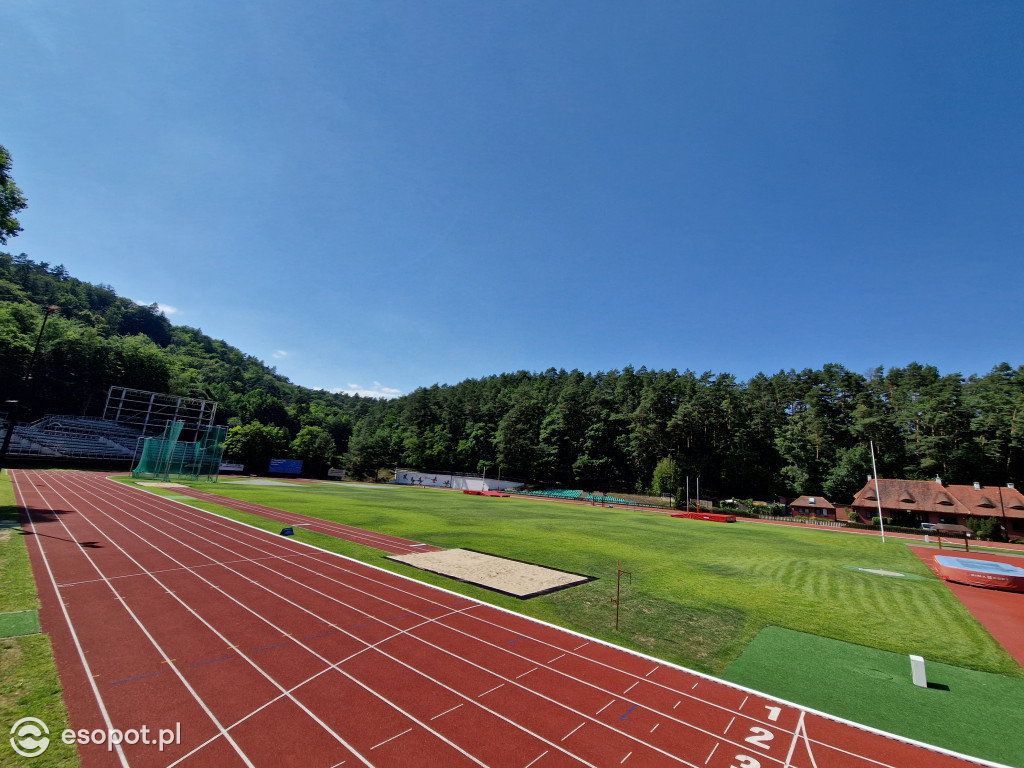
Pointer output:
390, 544
269, 652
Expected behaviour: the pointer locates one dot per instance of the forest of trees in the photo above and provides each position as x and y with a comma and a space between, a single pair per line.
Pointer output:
785, 434
790, 433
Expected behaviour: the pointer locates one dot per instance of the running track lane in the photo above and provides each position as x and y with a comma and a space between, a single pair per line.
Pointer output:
272, 653
390, 544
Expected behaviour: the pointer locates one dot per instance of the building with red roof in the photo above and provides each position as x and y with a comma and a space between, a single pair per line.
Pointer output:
931, 501
813, 506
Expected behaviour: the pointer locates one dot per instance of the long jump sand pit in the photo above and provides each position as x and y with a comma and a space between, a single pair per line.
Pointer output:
510, 577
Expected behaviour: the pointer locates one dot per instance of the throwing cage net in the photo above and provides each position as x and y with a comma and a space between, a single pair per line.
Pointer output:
165, 456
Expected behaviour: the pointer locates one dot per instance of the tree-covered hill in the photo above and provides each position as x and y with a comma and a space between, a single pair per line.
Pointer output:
787, 433
98, 339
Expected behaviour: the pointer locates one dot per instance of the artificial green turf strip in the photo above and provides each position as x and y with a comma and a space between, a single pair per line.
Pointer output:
963, 710
19, 623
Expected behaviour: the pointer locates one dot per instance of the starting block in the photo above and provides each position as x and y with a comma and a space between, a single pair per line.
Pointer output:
287, 531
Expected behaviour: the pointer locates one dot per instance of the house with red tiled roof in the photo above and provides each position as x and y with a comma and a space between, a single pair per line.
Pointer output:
931, 501
813, 506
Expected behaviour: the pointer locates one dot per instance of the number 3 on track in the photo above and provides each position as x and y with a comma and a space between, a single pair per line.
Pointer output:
746, 762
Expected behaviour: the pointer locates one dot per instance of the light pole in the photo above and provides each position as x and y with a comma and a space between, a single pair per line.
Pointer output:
47, 311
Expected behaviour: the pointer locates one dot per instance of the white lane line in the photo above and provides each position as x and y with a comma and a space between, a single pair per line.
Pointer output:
538, 757
602, 709
740, 707
570, 733
634, 685
526, 673
654, 728
708, 760
580, 646
652, 671
492, 690
728, 726
556, 658
625, 758
446, 712
391, 739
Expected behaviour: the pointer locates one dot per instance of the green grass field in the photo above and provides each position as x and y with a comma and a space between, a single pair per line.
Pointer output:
29, 685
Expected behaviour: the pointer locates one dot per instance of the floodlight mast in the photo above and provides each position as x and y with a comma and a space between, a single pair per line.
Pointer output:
878, 496
14, 404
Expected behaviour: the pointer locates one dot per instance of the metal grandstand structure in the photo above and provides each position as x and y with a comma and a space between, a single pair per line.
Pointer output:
150, 412
129, 416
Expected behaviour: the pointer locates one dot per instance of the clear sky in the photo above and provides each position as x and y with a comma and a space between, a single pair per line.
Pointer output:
379, 196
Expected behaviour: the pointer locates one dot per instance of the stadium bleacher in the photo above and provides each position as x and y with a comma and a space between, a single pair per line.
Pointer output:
76, 437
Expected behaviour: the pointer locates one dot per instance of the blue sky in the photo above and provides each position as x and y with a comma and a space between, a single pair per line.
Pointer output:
378, 196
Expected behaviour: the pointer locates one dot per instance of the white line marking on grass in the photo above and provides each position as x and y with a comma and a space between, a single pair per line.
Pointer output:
391, 739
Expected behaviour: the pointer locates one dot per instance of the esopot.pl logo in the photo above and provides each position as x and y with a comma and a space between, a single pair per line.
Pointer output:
30, 737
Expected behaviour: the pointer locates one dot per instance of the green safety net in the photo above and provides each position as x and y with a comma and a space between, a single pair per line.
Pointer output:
165, 456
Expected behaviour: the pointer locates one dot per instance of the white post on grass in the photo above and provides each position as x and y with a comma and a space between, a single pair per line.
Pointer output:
917, 671
878, 496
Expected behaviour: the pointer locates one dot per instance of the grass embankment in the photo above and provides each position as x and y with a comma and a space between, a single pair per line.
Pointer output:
29, 685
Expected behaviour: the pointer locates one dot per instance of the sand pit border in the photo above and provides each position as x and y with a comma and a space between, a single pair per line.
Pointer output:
507, 586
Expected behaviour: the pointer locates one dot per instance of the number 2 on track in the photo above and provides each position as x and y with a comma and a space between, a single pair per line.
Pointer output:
759, 737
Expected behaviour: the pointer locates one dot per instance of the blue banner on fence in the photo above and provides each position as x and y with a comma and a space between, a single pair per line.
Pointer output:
285, 466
